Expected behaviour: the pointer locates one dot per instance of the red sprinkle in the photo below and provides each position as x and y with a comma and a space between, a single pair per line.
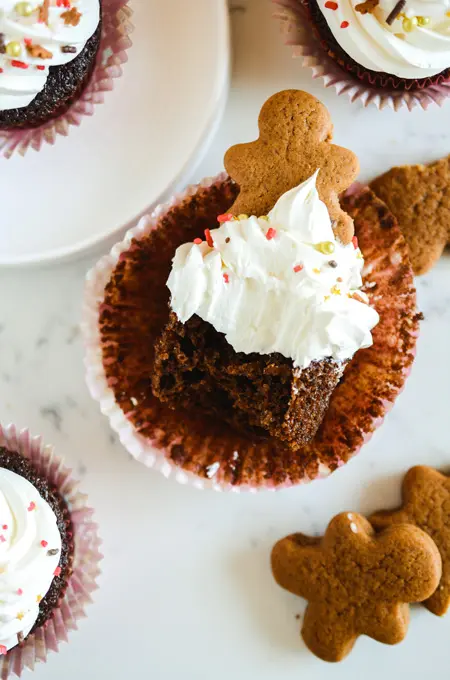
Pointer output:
3, 650
20, 591
1, 70
298, 268
19, 64
355, 242
57, 571
197, 241
63, 3
44, 544
5, 527
28, 41
208, 237
32, 506
224, 218
40, 67
271, 233
331, 5
2, 538
226, 278
345, 24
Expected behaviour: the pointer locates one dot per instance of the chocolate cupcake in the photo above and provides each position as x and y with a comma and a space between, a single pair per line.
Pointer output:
48, 51
258, 367
36, 549
49, 551
386, 44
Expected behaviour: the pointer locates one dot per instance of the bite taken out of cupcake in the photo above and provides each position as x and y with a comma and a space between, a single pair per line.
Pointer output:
387, 44
263, 351
48, 51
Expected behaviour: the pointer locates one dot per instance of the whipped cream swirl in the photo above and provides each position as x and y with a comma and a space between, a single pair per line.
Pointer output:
30, 550
24, 67
416, 45
278, 284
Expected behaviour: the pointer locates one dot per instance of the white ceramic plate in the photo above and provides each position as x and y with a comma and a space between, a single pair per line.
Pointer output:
139, 146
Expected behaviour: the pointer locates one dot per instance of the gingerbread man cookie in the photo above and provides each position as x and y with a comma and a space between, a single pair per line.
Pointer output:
419, 197
426, 504
356, 582
295, 140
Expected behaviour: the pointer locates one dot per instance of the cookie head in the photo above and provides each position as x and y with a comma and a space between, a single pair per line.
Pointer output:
426, 505
356, 582
294, 142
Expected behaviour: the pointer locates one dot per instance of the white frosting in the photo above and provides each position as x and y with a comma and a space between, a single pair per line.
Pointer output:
26, 569
19, 86
371, 42
268, 305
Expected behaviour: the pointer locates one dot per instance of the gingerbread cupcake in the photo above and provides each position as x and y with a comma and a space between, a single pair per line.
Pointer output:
48, 551
57, 57
389, 52
244, 353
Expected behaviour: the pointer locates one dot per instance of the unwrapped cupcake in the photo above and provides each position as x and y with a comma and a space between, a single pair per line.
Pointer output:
263, 352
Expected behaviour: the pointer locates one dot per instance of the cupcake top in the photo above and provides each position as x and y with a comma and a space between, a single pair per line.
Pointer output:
30, 550
280, 283
35, 35
409, 39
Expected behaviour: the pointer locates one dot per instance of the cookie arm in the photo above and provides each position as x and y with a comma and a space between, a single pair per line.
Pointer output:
297, 565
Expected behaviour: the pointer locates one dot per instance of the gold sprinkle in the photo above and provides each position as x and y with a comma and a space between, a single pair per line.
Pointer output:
20, 616
243, 217
264, 217
316, 271
400, 36
423, 21
39, 598
327, 297
335, 290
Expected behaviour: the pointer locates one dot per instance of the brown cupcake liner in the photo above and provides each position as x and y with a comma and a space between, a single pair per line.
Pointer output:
126, 306
354, 81
85, 562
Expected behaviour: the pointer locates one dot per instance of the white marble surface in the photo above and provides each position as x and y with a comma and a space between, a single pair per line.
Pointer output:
186, 590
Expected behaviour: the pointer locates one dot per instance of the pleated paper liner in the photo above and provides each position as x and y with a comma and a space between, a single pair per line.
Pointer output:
126, 306
112, 54
306, 46
86, 556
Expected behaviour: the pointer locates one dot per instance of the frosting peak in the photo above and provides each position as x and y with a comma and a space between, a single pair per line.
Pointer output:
32, 40
280, 283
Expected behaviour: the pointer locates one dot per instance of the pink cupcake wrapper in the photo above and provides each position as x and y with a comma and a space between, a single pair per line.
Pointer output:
87, 556
141, 448
298, 35
115, 41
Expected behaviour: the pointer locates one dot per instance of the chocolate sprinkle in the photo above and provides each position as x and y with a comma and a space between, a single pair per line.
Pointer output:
395, 12
2, 43
53, 551
228, 239
333, 264
68, 49
20, 638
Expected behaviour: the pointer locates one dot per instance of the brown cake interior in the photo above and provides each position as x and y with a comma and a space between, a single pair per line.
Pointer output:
195, 367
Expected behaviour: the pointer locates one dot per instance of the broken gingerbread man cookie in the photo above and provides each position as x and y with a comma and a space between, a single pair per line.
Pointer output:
419, 197
356, 582
426, 504
295, 141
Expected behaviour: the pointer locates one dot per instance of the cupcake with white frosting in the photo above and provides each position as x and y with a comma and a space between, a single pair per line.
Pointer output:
57, 59
47, 54
48, 551
401, 44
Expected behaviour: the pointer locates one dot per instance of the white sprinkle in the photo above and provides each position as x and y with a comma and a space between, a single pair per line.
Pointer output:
354, 528
235, 455
134, 401
211, 470
370, 284
396, 258
441, 587
350, 516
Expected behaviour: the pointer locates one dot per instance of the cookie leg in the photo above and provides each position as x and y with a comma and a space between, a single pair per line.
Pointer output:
383, 622
328, 633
